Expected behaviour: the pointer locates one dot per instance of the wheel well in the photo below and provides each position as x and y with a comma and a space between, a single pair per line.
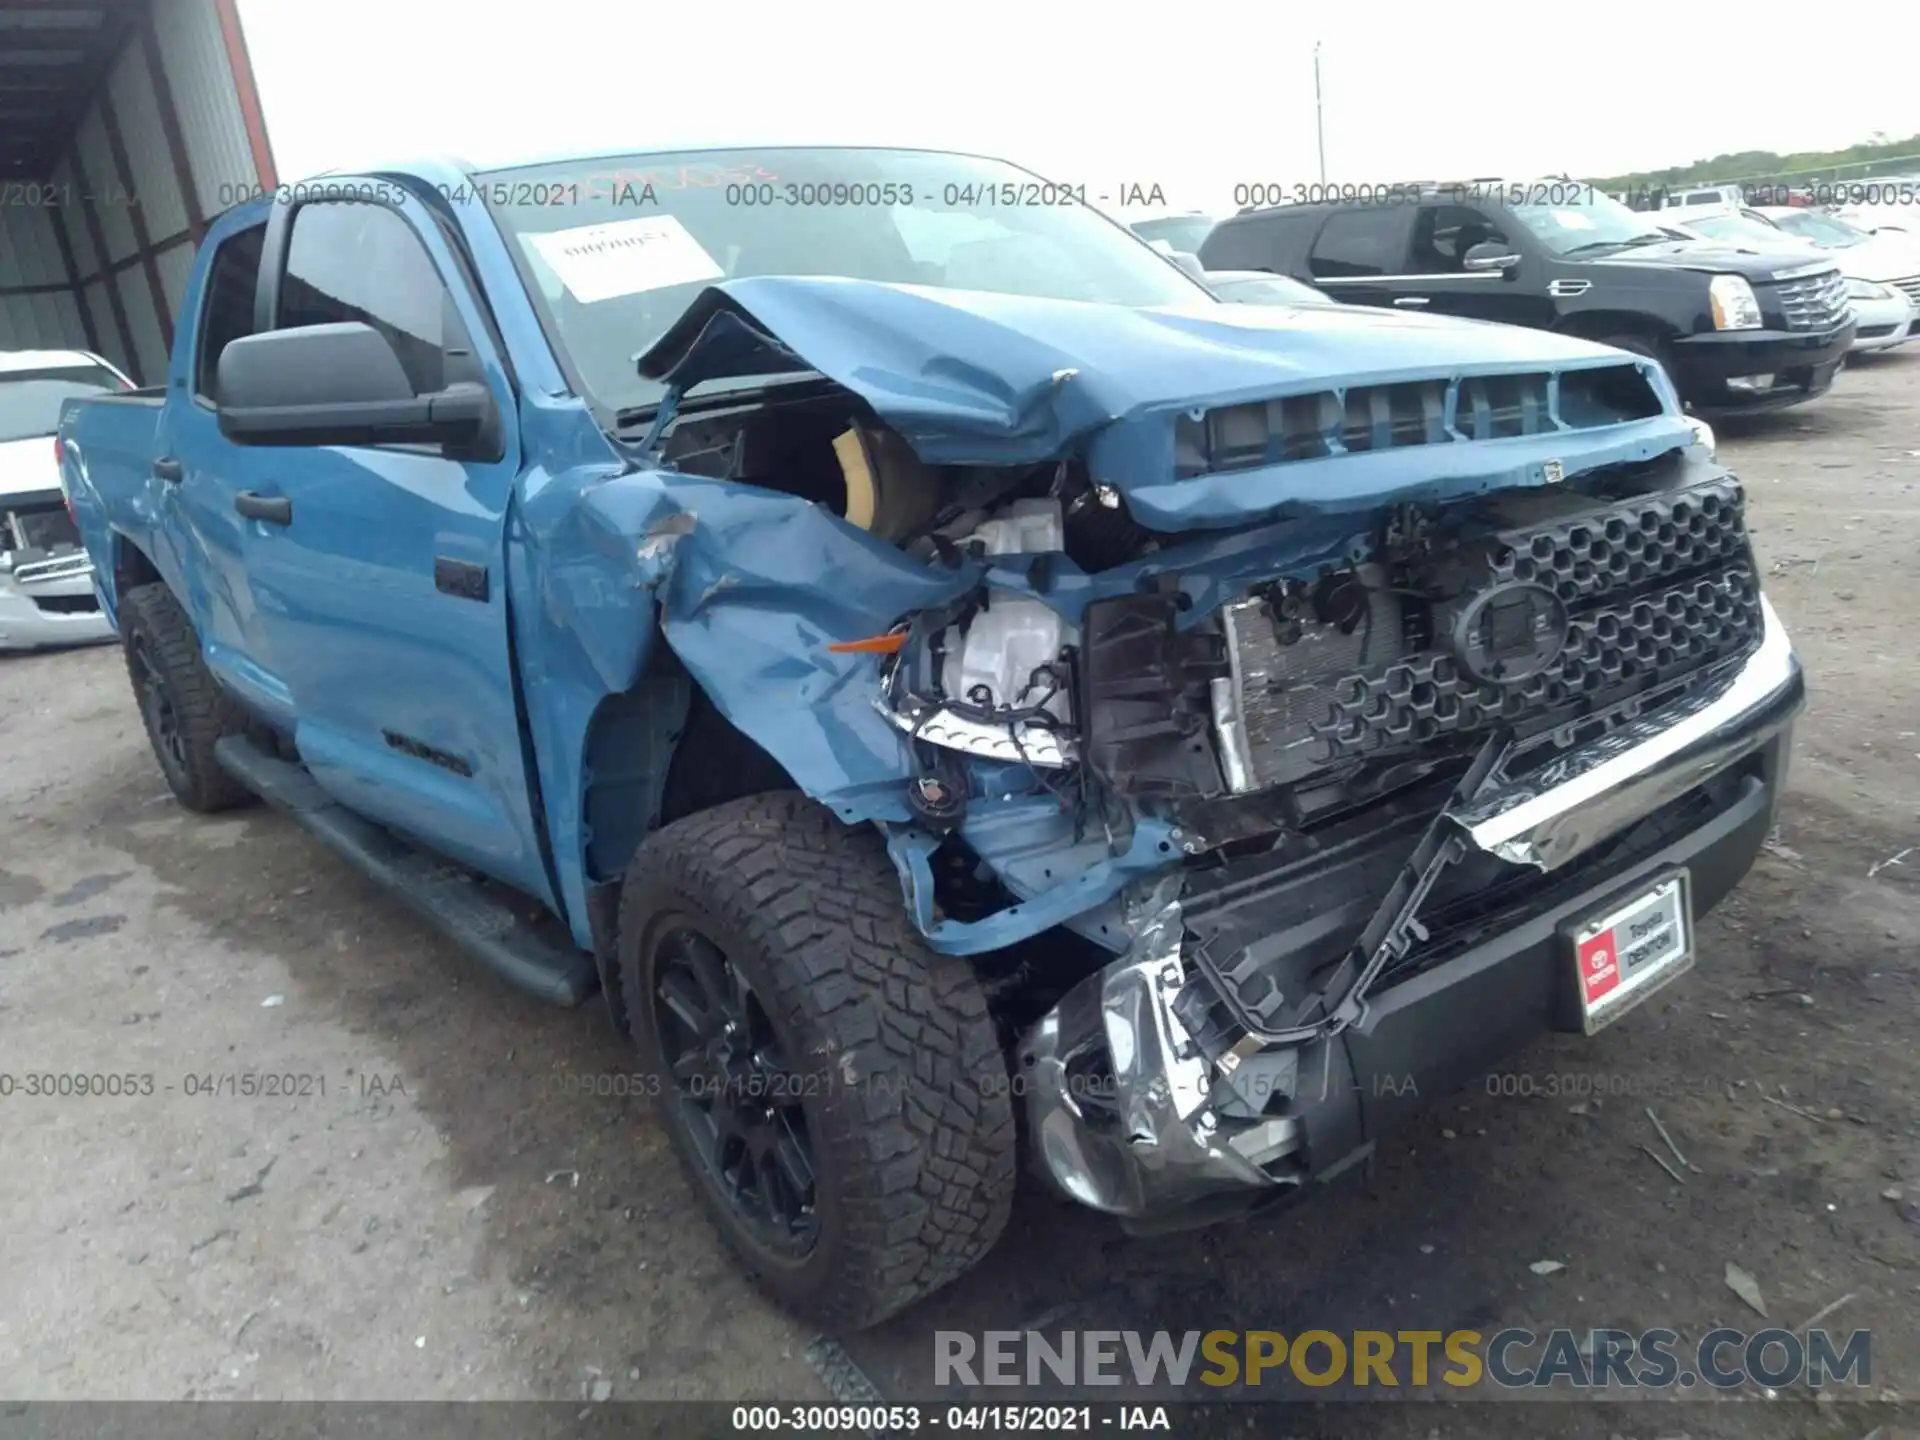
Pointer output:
131, 567
655, 754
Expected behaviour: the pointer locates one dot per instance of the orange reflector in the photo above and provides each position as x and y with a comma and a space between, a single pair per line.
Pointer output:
872, 645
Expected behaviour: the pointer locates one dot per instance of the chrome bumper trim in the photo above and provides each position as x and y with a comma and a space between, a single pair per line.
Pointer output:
1573, 803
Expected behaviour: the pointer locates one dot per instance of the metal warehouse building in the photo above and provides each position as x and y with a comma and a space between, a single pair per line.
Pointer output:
125, 125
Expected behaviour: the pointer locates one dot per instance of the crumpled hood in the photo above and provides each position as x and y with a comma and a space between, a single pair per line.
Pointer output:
968, 377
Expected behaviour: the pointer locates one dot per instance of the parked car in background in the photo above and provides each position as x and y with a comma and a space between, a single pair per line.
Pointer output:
1738, 331
779, 620
1883, 274
1257, 287
1182, 232
1694, 197
46, 580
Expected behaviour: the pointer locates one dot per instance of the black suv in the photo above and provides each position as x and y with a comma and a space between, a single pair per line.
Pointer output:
1738, 330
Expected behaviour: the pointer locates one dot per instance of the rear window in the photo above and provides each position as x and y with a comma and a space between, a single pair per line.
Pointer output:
30, 399
1259, 242
1360, 242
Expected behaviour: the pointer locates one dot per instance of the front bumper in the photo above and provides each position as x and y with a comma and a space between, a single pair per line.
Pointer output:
1881, 324
50, 602
1803, 366
1164, 1145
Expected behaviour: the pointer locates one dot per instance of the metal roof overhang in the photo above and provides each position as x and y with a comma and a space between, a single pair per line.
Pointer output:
53, 56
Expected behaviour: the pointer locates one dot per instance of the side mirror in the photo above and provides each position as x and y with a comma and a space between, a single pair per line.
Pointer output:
1489, 255
343, 385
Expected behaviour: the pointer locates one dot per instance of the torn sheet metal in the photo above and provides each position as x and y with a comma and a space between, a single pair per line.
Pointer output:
751, 587
1154, 1145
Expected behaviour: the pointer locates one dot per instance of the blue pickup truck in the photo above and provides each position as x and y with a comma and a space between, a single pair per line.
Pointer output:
959, 691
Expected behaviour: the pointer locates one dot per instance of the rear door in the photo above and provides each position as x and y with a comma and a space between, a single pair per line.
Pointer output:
1359, 252
196, 473
379, 570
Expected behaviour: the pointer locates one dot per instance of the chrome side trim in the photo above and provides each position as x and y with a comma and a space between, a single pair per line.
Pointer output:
1562, 810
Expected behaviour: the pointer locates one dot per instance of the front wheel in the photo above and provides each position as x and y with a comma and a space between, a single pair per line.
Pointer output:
833, 1087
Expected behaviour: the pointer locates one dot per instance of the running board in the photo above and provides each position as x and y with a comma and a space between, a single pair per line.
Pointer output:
443, 894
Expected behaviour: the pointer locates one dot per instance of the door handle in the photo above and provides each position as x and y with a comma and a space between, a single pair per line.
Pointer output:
169, 469
1410, 302
274, 509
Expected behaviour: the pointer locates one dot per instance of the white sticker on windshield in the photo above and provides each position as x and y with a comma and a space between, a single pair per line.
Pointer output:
598, 262
1573, 220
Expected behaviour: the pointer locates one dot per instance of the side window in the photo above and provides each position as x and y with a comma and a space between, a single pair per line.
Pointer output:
1266, 242
353, 260
1360, 242
1444, 233
226, 309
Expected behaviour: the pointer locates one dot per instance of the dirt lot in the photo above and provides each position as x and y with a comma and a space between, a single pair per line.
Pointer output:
433, 1216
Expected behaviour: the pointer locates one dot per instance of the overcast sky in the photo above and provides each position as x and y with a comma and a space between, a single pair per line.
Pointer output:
1196, 98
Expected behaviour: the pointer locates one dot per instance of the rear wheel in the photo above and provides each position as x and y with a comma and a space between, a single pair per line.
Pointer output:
182, 706
834, 1088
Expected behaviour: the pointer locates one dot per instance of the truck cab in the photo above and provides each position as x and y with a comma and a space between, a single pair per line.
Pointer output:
919, 656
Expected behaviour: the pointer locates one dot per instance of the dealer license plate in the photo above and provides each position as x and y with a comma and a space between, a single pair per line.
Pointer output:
1624, 955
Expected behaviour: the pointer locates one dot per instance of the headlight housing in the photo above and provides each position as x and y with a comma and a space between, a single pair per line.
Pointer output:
1867, 290
1734, 305
1703, 435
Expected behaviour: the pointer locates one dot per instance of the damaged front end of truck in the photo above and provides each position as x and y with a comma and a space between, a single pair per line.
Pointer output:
1211, 676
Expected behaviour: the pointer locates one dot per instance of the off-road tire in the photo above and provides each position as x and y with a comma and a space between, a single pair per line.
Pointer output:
151, 618
903, 1084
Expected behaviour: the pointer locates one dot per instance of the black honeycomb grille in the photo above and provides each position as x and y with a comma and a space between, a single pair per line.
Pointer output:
1656, 588
1629, 545
1639, 643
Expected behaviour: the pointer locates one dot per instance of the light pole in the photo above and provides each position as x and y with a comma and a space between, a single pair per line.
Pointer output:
1319, 119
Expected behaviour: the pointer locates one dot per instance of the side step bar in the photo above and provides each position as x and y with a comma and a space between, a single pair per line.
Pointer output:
446, 896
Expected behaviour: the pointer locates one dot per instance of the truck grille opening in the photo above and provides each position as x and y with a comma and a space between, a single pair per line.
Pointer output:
1651, 590
1414, 412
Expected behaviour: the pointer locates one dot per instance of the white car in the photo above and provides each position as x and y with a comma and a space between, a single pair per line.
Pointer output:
46, 580
1882, 272
1718, 197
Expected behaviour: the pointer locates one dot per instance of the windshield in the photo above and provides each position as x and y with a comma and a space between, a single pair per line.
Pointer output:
1593, 221
616, 249
30, 399
1183, 232
1821, 230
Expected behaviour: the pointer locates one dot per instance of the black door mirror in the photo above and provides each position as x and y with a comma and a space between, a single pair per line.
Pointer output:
344, 385
1490, 255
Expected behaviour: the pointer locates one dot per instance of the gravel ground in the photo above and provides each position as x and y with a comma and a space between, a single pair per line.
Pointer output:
431, 1214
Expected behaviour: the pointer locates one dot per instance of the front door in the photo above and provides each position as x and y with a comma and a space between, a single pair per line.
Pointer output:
1439, 283
380, 575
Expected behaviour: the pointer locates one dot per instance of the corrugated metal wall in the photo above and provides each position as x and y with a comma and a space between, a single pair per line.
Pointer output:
172, 136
